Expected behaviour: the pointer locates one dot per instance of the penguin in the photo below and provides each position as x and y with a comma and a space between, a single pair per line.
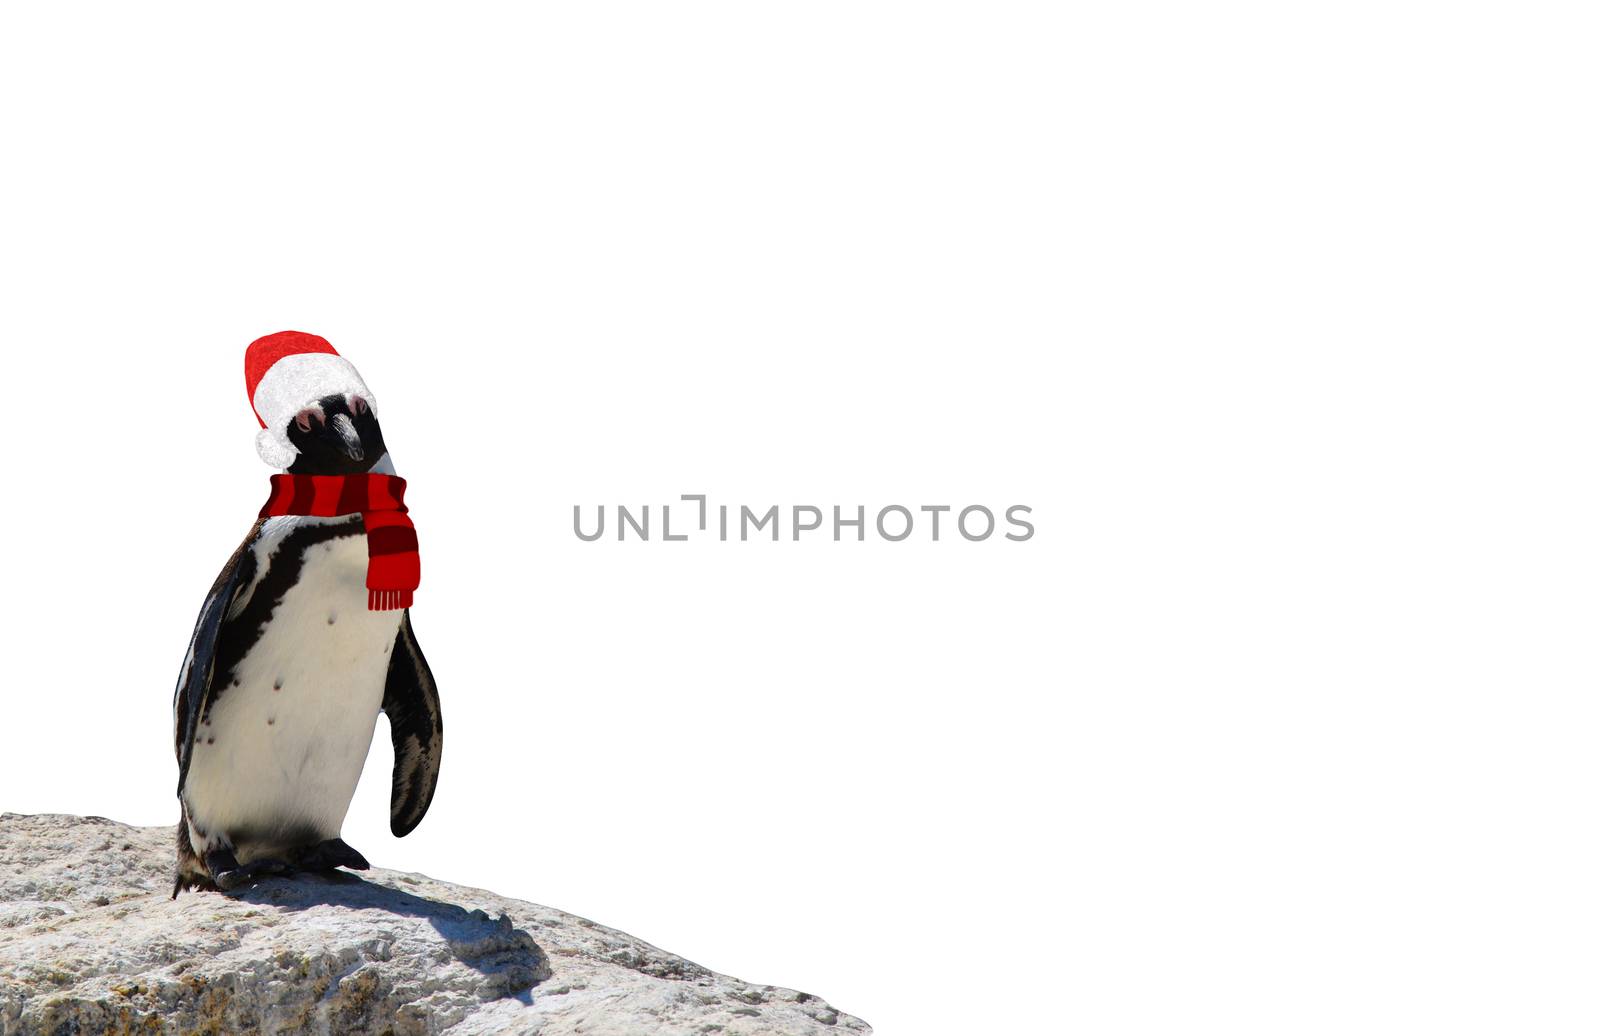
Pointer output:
288, 667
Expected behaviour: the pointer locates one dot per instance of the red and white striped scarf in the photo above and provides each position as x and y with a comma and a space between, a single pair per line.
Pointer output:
393, 566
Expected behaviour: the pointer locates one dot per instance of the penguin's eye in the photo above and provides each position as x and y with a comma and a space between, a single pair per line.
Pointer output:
358, 406
311, 415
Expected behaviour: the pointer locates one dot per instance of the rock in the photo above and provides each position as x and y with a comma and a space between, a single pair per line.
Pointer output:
91, 942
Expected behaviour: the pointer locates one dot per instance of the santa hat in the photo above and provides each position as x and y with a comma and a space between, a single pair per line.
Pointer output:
287, 372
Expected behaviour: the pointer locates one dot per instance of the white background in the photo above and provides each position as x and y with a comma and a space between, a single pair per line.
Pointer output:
1281, 317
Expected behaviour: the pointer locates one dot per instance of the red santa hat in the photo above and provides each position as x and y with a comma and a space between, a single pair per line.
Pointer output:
286, 372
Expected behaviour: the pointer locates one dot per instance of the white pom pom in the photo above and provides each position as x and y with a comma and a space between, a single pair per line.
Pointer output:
275, 448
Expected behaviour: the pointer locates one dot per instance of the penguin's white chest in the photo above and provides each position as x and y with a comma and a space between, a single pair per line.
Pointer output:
280, 760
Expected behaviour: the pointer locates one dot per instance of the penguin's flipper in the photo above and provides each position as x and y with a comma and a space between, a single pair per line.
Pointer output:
193, 695
411, 702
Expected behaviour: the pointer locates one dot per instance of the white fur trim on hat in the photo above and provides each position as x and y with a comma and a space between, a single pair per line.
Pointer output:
292, 384
276, 450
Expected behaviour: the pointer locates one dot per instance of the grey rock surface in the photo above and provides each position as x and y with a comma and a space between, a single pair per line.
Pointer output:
90, 942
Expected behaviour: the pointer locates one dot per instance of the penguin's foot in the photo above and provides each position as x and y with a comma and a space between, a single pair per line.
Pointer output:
227, 872
329, 855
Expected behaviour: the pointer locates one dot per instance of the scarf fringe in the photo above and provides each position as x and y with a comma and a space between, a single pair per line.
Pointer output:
387, 600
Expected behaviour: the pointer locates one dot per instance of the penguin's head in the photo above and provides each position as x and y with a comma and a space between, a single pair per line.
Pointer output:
336, 435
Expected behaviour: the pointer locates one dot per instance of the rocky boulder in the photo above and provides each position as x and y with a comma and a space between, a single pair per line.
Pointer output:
91, 942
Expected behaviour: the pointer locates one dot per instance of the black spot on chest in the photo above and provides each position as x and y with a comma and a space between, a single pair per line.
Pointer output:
284, 565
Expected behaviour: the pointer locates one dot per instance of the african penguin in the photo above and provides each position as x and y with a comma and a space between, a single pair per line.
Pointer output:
285, 675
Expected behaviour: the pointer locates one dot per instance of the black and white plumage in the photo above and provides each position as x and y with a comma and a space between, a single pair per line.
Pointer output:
286, 672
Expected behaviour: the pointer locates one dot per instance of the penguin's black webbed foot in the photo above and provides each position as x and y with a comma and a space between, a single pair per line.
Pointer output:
219, 862
227, 872
227, 881
330, 855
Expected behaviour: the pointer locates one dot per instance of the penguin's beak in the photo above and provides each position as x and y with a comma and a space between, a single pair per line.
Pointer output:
349, 438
